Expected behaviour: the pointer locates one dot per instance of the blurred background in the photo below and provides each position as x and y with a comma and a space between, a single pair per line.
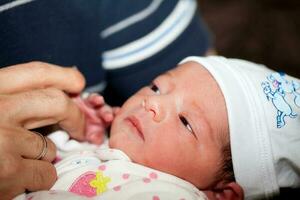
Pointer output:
263, 31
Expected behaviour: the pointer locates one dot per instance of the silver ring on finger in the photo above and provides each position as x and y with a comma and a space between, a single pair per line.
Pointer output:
45, 147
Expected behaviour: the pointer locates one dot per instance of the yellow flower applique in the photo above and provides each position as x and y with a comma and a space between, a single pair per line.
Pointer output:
100, 182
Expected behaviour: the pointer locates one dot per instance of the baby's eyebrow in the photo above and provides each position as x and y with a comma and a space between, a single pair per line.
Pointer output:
169, 74
168, 79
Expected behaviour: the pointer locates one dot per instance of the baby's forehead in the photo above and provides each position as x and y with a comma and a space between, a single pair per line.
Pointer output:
191, 66
194, 72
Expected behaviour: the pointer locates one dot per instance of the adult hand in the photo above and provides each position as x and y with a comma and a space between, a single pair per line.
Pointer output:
31, 96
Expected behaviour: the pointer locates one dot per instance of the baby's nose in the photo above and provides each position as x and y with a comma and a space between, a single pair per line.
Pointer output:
155, 107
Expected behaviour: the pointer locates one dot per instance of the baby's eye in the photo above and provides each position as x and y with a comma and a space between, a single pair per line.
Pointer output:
154, 88
186, 123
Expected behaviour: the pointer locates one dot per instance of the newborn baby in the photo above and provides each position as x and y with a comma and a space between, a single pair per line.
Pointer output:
210, 128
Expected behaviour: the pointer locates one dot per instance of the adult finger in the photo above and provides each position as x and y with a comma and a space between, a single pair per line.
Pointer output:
36, 147
33, 109
25, 143
34, 75
18, 175
37, 175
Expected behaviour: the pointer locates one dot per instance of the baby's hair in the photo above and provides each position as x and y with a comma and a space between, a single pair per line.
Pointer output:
225, 173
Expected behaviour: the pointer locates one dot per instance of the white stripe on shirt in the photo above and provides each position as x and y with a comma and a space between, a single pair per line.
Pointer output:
155, 41
13, 4
132, 19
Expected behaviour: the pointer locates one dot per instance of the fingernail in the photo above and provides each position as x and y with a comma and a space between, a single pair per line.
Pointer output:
74, 67
84, 95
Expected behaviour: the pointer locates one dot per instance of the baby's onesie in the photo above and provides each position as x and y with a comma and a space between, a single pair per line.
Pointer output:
104, 173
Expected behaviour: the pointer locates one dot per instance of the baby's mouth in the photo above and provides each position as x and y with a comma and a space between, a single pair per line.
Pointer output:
136, 124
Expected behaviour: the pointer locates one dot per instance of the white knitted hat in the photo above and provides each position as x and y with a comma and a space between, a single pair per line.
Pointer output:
264, 122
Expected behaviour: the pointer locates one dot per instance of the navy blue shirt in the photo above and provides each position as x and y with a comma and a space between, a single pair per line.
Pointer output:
119, 46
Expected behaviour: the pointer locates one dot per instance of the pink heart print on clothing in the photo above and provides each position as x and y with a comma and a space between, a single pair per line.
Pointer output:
90, 184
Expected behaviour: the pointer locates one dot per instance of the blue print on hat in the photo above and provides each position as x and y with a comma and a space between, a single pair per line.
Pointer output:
277, 95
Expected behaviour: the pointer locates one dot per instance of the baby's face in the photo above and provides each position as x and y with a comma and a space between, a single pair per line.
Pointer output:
177, 125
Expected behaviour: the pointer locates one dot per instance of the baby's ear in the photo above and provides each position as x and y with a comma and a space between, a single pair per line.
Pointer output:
229, 191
